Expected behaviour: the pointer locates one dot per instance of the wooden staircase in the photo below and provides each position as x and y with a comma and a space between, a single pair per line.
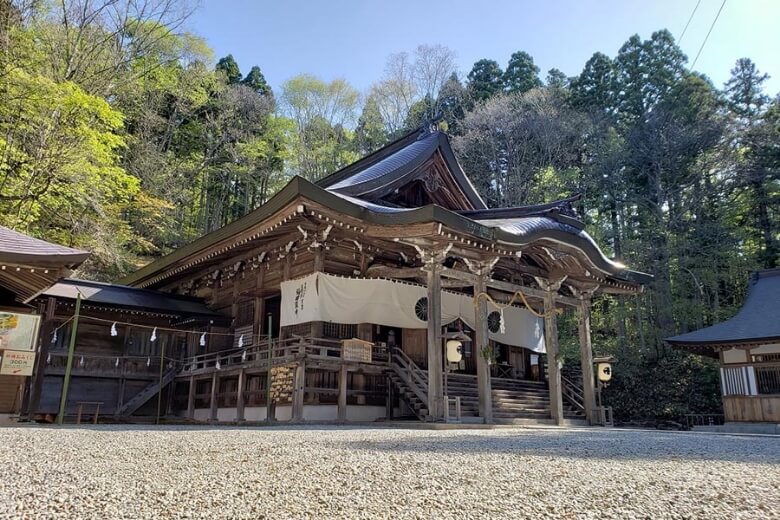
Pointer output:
514, 400
410, 383
142, 397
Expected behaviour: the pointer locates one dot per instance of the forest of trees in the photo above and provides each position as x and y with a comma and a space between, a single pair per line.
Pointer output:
120, 133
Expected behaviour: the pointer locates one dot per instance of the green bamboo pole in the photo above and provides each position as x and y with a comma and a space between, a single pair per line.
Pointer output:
160, 385
69, 365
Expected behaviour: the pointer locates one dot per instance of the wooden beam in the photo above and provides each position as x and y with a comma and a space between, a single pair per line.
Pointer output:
482, 343
191, 399
240, 395
531, 292
343, 381
554, 371
299, 385
586, 357
213, 402
40, 366
435, 381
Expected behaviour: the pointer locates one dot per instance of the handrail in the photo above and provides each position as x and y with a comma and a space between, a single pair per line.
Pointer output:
411, 373
572, 393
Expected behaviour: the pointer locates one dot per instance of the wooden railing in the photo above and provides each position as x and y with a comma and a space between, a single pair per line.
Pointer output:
414, 377
103, 365
704, 419
281, 351
572, 393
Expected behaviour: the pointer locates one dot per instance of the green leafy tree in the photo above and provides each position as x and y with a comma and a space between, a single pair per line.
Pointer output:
485, 80
557, 79
229, 68
521, 74
370, 133
454, 101
256, 81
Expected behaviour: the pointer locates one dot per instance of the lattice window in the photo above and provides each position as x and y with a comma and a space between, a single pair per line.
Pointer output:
245, 315
765, 358
339, 330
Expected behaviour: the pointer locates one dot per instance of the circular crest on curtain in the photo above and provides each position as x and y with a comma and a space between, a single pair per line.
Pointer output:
421, 309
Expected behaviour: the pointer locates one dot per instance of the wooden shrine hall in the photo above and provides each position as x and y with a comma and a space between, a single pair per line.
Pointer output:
747, 347
385, 290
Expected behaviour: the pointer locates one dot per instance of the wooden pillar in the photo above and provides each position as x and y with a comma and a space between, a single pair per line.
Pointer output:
482, 341
191, 399
551, 343
586, 357
240, 396
213, 401
343, 381
390, 399
299, 382
435, 381
43, 353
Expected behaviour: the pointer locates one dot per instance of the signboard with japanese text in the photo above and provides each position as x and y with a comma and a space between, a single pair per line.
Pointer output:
17, 363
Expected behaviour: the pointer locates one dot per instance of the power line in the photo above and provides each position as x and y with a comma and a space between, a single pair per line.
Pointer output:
708, 34
679, 40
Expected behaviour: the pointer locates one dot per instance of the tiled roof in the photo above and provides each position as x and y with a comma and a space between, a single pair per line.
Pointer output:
19, 248
122, 296
757, 321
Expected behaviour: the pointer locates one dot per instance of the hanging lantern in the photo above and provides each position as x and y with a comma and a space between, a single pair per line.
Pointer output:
154, 335
454, 351
203, 340
114, 333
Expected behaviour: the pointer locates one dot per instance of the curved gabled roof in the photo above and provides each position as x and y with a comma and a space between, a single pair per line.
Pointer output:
517, 233
380, 173
758, 321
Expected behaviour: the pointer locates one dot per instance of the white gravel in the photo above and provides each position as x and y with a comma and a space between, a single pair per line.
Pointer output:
329, 472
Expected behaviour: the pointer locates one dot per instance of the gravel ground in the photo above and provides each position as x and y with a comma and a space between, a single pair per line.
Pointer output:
330, 472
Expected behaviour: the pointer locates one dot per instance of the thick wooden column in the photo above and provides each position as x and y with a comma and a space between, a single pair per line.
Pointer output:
36, 388
586, 357
482, 342
343, 381
213, 401
299, 385
435, 372
240, 396
191, 399
551, 343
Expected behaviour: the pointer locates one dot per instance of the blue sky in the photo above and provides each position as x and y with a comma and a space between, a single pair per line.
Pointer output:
351, 39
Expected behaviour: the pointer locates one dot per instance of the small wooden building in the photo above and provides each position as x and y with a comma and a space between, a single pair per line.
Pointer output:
130, 343
27, 265
748, 348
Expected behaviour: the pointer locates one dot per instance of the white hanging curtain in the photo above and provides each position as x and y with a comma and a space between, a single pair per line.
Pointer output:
329, 298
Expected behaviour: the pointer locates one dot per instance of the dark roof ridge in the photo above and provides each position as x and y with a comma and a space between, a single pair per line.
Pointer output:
96, 284
372, 158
